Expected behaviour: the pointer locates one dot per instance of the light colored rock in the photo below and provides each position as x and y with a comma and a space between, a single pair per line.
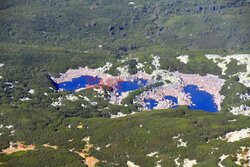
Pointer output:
242, 109
31, 91
131, 164
9, 126
245, 96
156, 62
244, 155
10, 85
86, 98
105, 67
24, 99
1, 64
189, 163
176, 161
233, 120
71, 97
131, 3
237, 135
139, 65
119, 114
182, 144
176, 137
183, 58
158, 163
152, 154
93, 103
242, 58
124, 71
221, 159
58, 103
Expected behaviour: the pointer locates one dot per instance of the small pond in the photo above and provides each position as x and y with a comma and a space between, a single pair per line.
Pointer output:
126, 86
151, 103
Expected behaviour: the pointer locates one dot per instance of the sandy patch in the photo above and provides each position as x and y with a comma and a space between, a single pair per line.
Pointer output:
89, 161
16, 147
80, 126
70, 140
47, 145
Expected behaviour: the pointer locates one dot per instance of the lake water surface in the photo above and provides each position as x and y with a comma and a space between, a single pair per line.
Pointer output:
201, 100
126, 86
80, 82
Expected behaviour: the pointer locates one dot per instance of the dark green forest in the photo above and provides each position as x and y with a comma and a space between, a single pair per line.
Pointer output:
43, 38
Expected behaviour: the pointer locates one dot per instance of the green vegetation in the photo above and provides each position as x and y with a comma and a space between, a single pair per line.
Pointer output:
43, 157
231, 90
229, 161
40, 39
197, 63
234, 68
131, 97
130, 138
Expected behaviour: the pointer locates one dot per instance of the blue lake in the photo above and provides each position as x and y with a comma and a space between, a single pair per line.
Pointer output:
201, 99
126, 86
152, 103
80, 82
173, 99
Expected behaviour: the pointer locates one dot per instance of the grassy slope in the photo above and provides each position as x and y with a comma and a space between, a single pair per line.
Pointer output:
133, 137
42, 37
